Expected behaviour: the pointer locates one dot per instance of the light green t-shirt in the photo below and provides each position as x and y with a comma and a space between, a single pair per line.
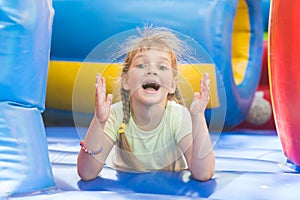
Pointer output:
156, 149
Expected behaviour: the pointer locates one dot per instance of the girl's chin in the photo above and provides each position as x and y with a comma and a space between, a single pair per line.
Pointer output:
148, 99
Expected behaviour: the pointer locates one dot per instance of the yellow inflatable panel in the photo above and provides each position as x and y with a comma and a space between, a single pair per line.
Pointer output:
240, 42
71, 85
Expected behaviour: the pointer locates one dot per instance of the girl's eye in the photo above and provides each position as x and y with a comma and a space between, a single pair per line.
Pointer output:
141, 66
162, 67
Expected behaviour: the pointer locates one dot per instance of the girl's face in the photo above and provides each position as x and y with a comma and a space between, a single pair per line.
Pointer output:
150, 77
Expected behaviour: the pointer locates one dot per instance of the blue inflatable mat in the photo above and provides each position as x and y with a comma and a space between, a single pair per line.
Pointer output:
249, 165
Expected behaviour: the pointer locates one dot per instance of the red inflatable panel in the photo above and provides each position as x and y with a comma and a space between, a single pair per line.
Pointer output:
264, 77
284, 73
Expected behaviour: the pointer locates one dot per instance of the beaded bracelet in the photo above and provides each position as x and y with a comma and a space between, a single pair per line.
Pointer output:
83, 147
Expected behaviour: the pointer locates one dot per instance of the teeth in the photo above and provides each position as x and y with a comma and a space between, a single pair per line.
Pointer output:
155, 86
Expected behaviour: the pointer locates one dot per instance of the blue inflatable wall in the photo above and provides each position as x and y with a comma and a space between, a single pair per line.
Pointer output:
25, 35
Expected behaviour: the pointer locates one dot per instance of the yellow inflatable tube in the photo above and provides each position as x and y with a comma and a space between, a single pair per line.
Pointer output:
71, 85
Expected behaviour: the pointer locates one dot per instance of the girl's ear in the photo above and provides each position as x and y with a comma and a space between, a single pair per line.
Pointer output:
125, 81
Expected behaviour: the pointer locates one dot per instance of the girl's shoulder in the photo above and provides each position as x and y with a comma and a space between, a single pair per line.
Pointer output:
117, 106
116, 110
176, 108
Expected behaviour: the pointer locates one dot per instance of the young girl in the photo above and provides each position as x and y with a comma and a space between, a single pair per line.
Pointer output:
150, 129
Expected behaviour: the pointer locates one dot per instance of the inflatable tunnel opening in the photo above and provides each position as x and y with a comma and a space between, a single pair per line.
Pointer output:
240, 42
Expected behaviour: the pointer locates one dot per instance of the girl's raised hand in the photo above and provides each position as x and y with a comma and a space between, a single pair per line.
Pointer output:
103, 102
201, 98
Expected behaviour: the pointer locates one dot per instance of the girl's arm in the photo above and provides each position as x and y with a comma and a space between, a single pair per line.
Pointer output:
200, 155
89, 166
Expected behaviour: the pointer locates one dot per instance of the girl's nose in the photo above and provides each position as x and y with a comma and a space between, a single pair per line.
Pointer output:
151, 69
151, 72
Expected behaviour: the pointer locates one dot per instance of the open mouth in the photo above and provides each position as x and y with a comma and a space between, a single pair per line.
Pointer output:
154, 86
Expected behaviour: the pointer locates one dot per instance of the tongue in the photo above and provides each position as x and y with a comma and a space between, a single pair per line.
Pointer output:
150, 89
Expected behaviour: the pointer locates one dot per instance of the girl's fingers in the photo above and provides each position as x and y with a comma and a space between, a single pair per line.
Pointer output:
205, 75
103, 85
99, 88
109, 99
205, 95
100, 84
196, 95
97, 84
204, 83
207, 84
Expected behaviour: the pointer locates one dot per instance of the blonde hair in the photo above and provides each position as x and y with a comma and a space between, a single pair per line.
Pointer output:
149, 38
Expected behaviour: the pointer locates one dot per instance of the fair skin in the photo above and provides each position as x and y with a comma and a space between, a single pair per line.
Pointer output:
150, 79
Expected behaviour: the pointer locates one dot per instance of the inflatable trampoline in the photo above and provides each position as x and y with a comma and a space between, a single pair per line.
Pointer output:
45, 48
